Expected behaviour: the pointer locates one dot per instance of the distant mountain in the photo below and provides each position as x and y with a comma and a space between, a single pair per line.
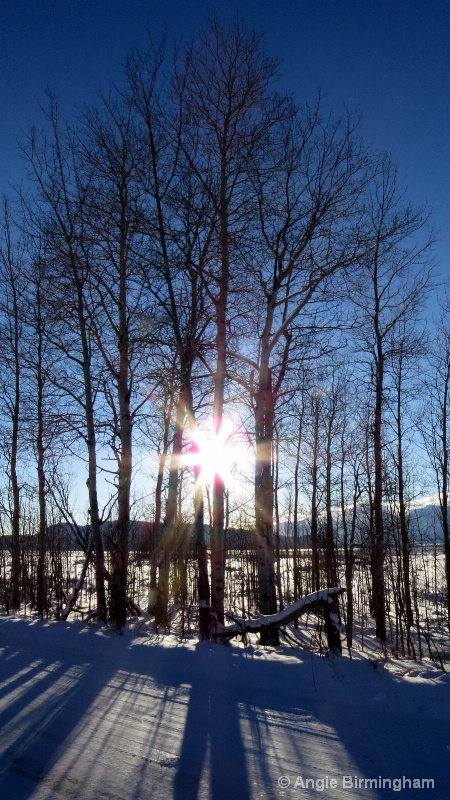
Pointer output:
424, 522
425, 525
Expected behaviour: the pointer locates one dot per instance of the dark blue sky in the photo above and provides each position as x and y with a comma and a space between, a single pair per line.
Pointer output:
388, 59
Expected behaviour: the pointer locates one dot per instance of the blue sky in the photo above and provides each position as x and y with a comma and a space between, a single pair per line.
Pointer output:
388, 59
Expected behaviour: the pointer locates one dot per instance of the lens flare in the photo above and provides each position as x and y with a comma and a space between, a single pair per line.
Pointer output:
218, 454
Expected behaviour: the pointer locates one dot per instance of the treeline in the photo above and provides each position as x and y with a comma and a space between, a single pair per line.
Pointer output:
199, 247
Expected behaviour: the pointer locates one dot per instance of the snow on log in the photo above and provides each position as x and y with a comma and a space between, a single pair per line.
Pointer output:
322, 600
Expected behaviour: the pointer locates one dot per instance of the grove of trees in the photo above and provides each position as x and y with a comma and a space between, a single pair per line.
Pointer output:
199, 255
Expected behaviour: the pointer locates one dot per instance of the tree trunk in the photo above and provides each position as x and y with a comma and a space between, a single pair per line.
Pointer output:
41, 593
444, 489
125, 422
161, 606
402, 509
348, 543
121, 545
275, 459
330, 551
15, 520
186, 355
203, 585
378, 543
264, 423
315, 555
296, 553
92, 449
168, 410
218, 531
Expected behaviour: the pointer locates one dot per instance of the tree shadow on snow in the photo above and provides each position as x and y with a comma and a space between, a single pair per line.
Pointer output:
125, 718
45, 692
212, 740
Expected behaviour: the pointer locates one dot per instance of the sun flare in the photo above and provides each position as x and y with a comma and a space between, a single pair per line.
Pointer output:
222, 454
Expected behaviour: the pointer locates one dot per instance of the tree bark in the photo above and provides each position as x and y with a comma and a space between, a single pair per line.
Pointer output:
378, 542
15, 419
91, 440
405, 545
330, 550
218, 532
445, 481
161, 606
168, 411
125, 456
264, 423
296, 552
41, 592
315, 549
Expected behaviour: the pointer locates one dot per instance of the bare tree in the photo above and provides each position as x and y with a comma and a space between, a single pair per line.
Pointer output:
174, 227
350, 469
393, 281
39, 436
226, 111
110, 149
308, 193
11, 326
57, 216
407, 344
433, 423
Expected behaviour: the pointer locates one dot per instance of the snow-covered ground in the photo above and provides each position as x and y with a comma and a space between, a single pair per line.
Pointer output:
87, 714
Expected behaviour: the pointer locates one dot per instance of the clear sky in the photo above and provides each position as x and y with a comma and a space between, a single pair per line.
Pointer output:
388, 59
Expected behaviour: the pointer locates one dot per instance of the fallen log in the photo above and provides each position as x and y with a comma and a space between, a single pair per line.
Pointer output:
73, 597
324, 601
137, 611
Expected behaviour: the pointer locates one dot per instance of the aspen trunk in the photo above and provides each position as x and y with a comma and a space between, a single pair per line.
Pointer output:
41, 593
15, 521
378, 541
91, 448
315, 561
121, 544
264, 413
161, 606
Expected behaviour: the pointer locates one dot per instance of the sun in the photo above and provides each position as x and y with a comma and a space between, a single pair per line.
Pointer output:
222, 454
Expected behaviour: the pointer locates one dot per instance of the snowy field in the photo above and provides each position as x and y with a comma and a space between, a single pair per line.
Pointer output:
87, 714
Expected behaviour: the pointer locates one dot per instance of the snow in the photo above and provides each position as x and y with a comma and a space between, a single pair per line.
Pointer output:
288, 613
88, 714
